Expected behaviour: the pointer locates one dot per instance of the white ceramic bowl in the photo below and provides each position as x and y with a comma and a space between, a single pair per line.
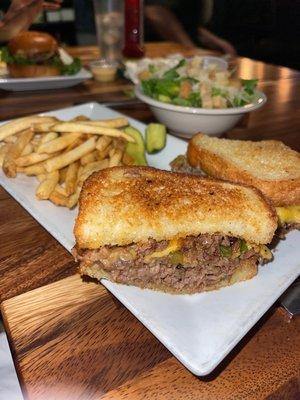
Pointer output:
186, 121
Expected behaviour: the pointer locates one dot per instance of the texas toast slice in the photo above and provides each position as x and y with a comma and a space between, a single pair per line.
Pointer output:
268, 165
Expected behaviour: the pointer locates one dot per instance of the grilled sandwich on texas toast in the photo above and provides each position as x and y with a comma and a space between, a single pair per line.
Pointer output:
268, 165
172, 232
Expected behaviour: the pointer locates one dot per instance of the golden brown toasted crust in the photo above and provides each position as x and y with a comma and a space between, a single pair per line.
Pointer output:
246, 270
274, 168
124, 205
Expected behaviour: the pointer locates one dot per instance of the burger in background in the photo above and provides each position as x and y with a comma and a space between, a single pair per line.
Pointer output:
33, 54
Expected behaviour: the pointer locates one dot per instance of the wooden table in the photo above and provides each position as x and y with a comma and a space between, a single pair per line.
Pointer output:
100, 350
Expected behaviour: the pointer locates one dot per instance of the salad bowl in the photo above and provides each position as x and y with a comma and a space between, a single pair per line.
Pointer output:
186, 121
195, 94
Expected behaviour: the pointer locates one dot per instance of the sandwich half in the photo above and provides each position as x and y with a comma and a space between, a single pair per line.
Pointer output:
268, 165
172, 232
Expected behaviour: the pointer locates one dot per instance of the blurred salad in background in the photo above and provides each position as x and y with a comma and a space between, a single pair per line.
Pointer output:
194, 83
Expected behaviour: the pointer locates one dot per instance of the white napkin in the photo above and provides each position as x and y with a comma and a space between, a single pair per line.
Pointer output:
9, 384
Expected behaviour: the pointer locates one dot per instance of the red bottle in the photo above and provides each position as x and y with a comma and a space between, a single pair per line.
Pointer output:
133, 29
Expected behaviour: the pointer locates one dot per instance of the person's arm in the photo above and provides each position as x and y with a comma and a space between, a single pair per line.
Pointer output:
21, 14
165, 23
213, 41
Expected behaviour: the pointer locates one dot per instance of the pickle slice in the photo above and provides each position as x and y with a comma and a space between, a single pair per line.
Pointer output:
136, 150
156, 137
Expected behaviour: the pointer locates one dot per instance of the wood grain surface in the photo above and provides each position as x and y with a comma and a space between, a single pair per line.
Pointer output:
29, 255
73, 341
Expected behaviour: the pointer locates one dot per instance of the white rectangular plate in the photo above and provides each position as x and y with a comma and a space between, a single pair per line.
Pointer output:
44, 83
201, 329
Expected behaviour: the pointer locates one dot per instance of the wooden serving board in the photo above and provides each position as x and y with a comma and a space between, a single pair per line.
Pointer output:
73, 340
29, 256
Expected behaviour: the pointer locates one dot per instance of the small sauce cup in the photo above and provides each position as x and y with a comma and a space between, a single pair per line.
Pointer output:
104, 70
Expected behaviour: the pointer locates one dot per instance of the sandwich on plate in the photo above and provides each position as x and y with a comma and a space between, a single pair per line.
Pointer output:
268, 165
32, 54
172, 232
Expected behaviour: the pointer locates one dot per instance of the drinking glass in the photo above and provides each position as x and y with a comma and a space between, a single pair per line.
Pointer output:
109, 21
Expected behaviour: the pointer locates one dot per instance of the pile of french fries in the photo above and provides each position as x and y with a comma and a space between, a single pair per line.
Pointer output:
60, 154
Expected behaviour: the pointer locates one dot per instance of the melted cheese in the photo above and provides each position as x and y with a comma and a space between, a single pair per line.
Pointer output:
173, 245
288, 214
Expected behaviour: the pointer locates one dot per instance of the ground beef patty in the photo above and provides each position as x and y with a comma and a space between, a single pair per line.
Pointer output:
201, 261
180, 164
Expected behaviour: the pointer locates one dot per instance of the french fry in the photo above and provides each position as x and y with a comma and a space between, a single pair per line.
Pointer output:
95, 166
116, 158
88, 158
36, 141
47, 186
62, 155
10, 139
85, 136
88, 169
15, 150
20, 124
43, 126
119, 144
104, 153
71, 178
76, 143
48, 137
80, 118
84, 177
109, 123
58, 199
32, 158
20, 169
80, 170
103, 142
61, 190
3, 151
23, 139
36, 169
73, 199
67, 158
4, 147
95, 130
111, 152
27, 149
58, 144
62, 175
41, 177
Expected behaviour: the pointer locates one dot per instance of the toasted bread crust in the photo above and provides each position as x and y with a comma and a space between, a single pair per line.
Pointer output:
247, 270
203, 152
124, 205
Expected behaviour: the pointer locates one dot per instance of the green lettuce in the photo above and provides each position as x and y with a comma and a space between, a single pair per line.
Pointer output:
70, 69
249, 85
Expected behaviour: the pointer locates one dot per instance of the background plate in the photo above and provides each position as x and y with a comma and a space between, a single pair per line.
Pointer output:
201, 329
51, 82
